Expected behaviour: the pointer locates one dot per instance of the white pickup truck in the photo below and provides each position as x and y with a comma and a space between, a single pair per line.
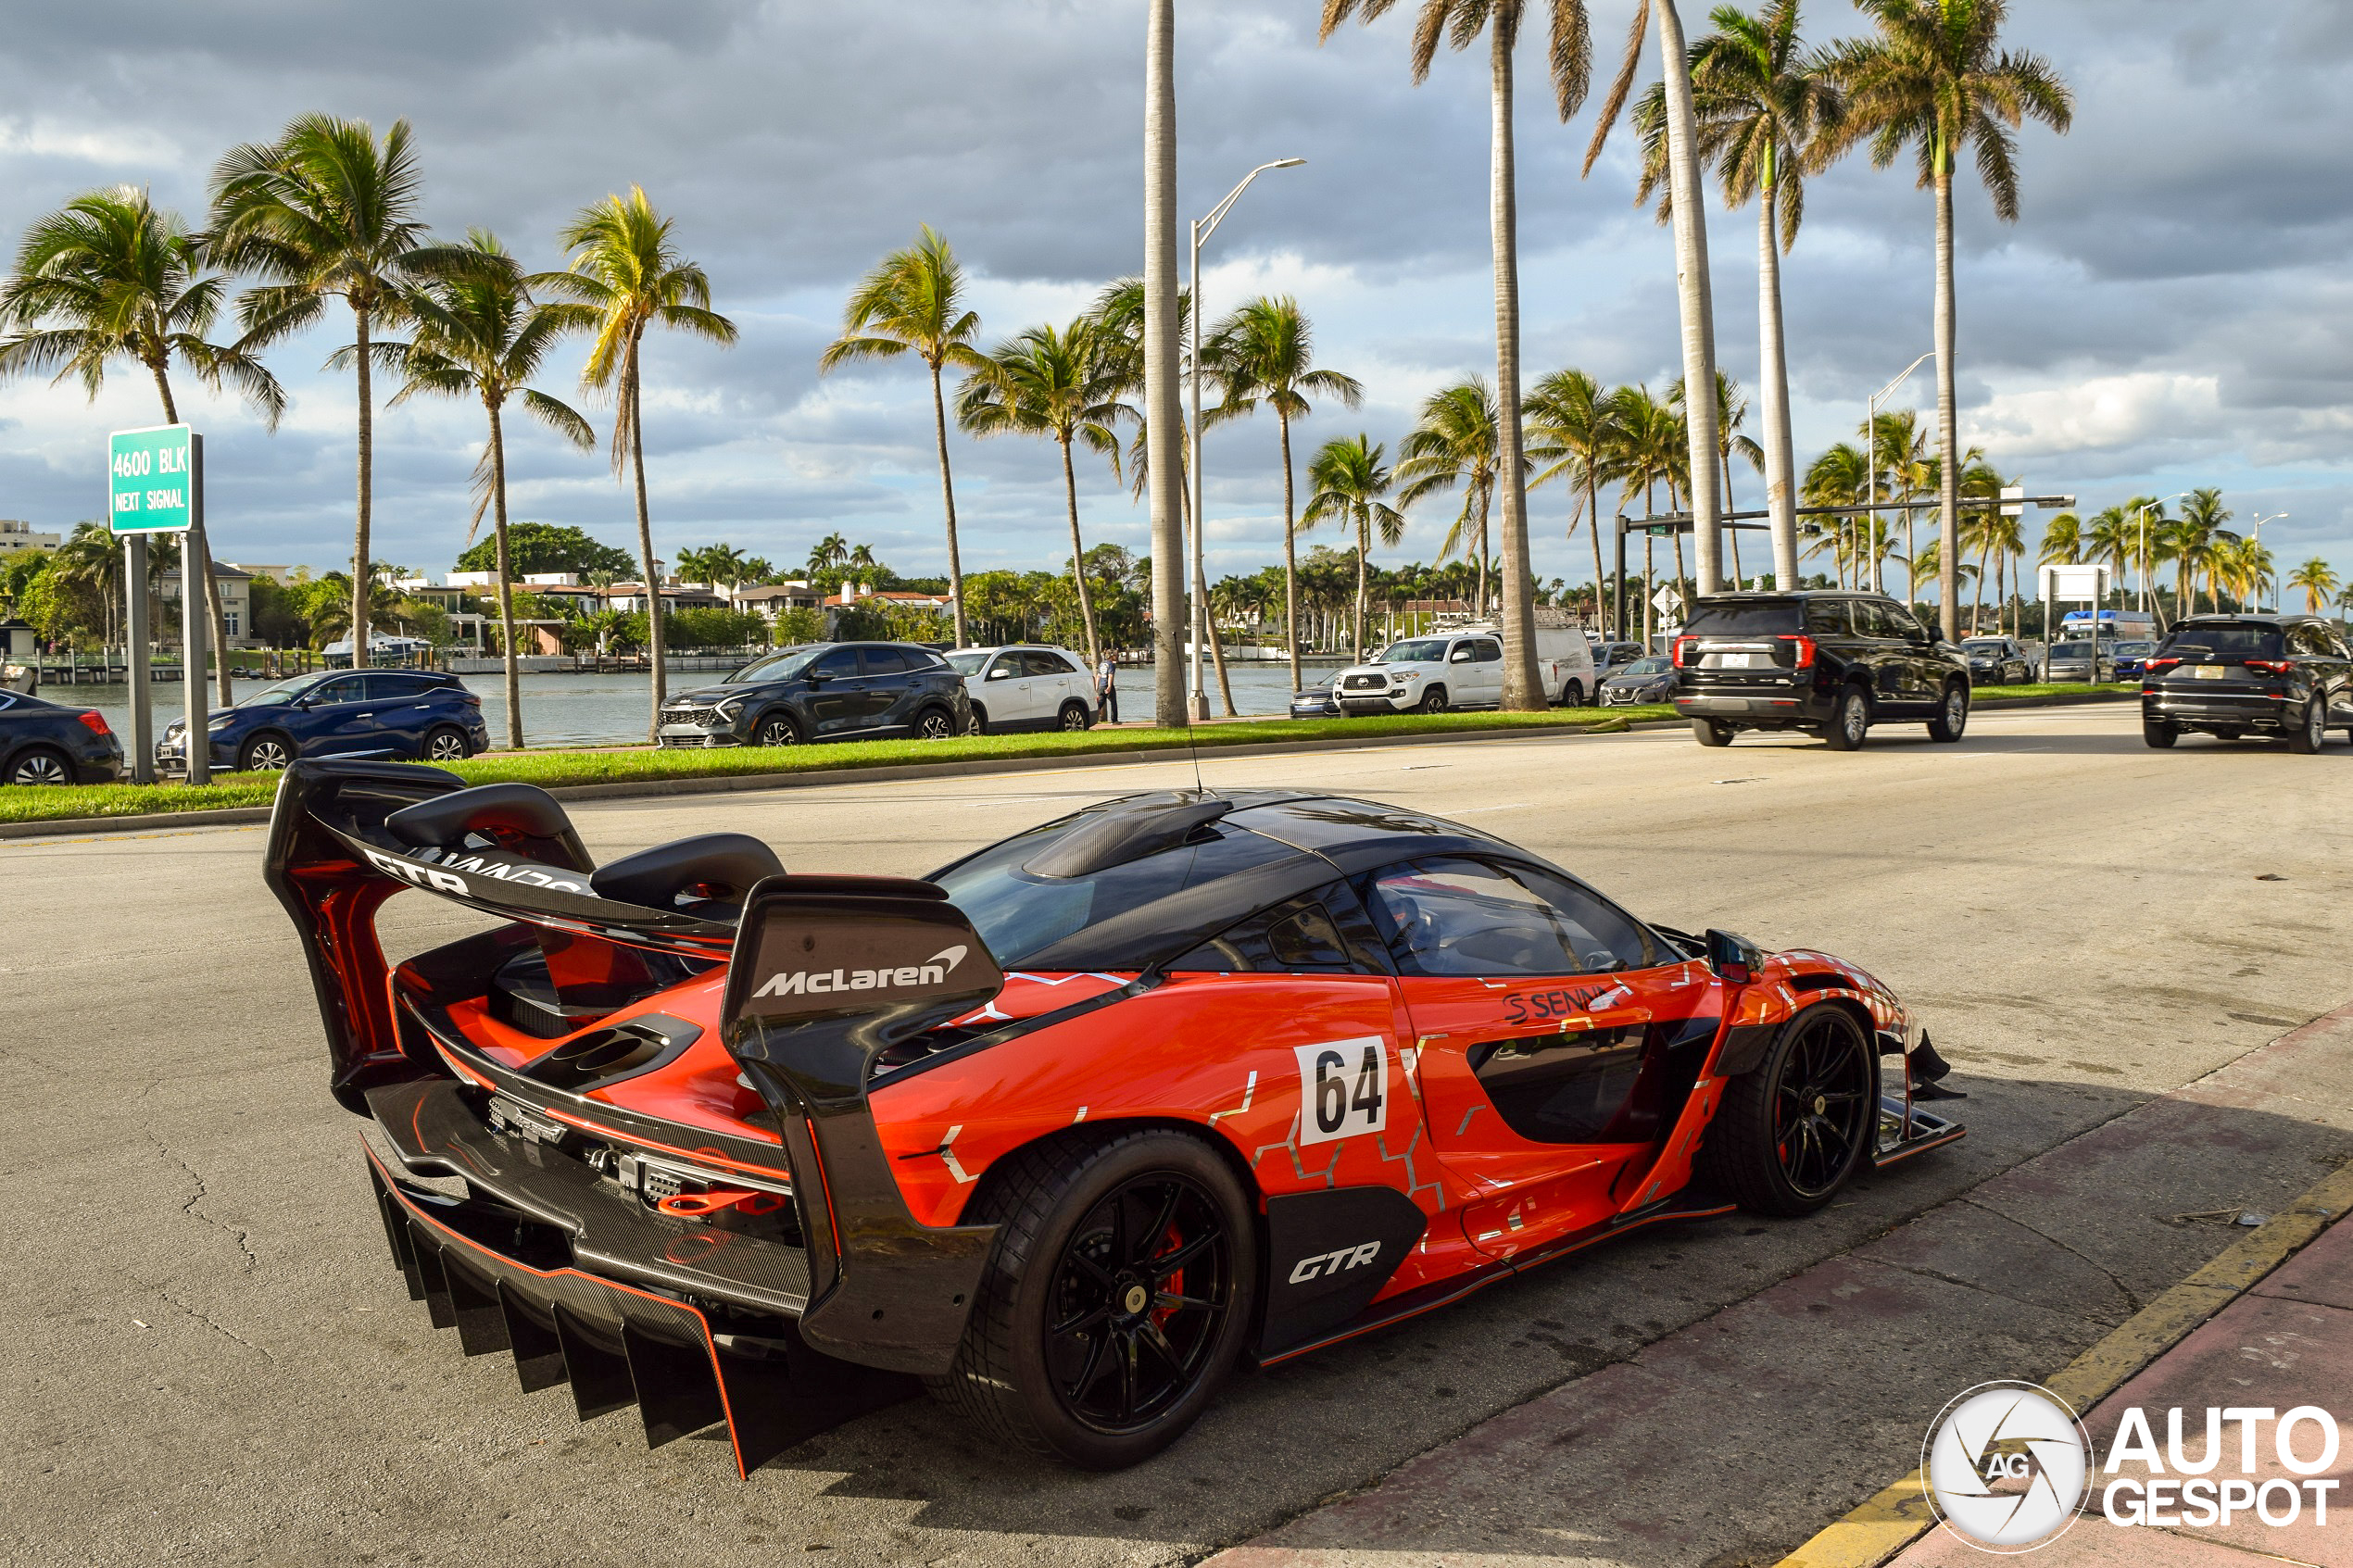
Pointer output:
1462, 668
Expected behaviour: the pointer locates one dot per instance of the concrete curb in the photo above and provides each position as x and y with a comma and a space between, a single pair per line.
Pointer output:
148, 822
1898, 1515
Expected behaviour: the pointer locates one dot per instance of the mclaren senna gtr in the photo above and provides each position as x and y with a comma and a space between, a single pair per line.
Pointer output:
1063, 1132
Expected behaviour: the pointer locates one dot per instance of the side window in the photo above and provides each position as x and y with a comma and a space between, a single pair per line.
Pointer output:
1826, 618
885, 661
2310, 639
1487, 650
396, 688
1299, 936
840, 664
345, 689
1452, 916
2336, 647
1038, 662
1603, 937
1004, 667
1901, 622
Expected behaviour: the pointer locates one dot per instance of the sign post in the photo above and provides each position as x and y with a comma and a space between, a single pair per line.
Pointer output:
2063, 584
155, 485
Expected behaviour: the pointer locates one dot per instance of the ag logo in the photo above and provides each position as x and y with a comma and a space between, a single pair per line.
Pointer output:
1343, 1088
2004, 1466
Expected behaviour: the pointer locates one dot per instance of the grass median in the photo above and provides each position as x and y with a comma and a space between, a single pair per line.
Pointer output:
644, 764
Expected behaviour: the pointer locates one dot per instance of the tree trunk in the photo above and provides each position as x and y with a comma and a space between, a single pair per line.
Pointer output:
1078, 561
1291, 553
505, 578
1948, 418
632, 391
1731, 535
1523, 689
1698, 309
363, 574
1164, 411
1780, 458
948, 500
1594, 512
1208, 615
1364, 548
203, 551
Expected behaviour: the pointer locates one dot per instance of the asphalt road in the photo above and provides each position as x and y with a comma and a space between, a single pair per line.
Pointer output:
215, 1363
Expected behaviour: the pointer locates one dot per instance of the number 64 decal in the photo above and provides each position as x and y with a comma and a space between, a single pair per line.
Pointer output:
1343, 1088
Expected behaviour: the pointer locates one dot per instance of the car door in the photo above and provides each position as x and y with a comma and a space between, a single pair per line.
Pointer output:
888, 688
1886, 652
1555, 1039
1925, 670
837, 694
1486, 658
404, 710
1005, 691
1053, 682
336, 719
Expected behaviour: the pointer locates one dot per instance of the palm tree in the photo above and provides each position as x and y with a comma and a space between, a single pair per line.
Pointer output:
479, 334
106, 277
1569, 59
913, 301
326, 211
2193, 538
1936, 77
1266, 353
1902, 470
1572, 429
1052, 384
1761, 102
1841, 477
1653, 450
626, 275
2319, 581
1350, 482
1457, 441
831, 551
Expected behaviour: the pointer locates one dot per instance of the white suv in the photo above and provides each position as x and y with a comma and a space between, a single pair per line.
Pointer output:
1462, 669
1026, 687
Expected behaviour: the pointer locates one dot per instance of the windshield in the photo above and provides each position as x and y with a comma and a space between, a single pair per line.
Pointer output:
1420, 650
1980, 645
2238, 640
782, 665
2134, 650
283, 693
967, 663
1020, 914
1653, 666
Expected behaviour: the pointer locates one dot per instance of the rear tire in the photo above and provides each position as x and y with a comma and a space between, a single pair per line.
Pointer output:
1794, 1130
1573, 695
1074, 718
1711, 731
2159, 733
39, 766
2308, 737
935, 724
1952, 714
1087, 1222
444, 743
1850, 721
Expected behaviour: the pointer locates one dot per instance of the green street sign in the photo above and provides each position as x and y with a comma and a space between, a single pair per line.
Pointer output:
156, 480
1659, 530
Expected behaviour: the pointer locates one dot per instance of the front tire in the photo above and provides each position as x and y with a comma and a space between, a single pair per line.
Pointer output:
1711, 731
978, 723
265, 754
2308, 737
1850, 721
778, 729
1792, 1130
1952, 714
1433, 700
1085, 1344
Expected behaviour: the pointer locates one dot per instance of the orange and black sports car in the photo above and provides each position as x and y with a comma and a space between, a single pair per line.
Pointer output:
1064, 1130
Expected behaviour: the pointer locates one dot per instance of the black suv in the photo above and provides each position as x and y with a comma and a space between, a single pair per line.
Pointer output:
1832, 664
823, 691
2228, 675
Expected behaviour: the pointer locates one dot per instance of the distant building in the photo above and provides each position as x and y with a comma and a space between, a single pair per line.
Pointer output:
16, 535
237, 602
282, 575
771, 600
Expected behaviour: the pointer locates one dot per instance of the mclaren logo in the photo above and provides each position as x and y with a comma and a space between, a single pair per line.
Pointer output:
932, 971
441, 879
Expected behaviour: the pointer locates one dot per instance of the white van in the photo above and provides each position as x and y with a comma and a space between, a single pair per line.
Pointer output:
1463, 667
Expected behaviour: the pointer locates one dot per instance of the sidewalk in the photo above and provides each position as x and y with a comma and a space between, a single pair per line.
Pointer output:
2286, 1342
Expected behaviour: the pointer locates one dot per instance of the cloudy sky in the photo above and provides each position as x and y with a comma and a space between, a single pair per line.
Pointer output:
2172, 311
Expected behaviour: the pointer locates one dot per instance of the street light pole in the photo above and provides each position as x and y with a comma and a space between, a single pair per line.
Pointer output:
1203, 229
2260, 521
1870, 488
2143, 512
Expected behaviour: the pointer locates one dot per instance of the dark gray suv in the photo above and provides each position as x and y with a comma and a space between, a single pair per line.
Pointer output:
823, 691
1832, 664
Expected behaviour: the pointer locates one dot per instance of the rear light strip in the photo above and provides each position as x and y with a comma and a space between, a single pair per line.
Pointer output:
2270, 665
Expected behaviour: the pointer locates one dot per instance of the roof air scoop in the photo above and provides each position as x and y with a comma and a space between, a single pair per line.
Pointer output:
1116, 838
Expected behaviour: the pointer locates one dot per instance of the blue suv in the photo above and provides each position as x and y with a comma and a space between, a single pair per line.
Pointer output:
409, 715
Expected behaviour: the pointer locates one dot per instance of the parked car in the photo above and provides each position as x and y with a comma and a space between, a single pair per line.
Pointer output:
1030, 687
1462, 669
1828, 663
823, 691
2070, 660
2233, 675
1610, 658
409, 715
1316, 701
1650, 679
2131, 657
47, 743
1996, 661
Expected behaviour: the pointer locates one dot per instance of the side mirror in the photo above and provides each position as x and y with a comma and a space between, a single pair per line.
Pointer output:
819, 677
1001, 673
1460, 656
1735, 960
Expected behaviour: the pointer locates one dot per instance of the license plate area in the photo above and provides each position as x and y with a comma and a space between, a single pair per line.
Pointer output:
2207, 672
1714, 659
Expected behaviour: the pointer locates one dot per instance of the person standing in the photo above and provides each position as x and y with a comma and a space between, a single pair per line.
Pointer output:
1107, 691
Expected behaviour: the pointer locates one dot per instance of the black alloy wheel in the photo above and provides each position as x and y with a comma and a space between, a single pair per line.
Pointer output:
265, 754
935, 724
1573, 695
1434, 700
1791, 1131
1711, 731
778, 729
1952, 714
2313, 734
1073, 717
1116, 1297
40, 767
2159, 733
448, 744
1850, 721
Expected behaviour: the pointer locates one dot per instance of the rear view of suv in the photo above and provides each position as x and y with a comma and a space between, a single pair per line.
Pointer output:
1831, 664
2232, 675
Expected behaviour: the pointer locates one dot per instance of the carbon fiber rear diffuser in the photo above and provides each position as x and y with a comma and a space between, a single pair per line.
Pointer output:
617, 1346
